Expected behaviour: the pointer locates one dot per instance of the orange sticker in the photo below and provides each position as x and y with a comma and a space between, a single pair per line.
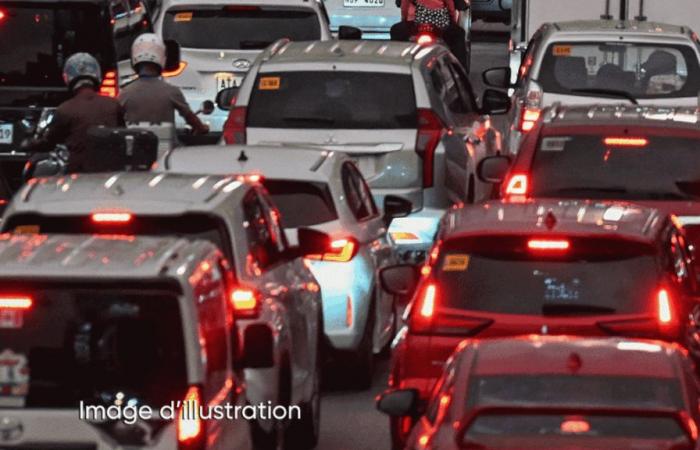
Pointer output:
269, 83
456, 263
27, 229
562, 50
183, 16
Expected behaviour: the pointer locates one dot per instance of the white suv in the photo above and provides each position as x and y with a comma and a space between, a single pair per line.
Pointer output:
116, 322
219, 39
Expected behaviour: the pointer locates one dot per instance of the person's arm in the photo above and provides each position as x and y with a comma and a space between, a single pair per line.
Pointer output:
453, 11
178, 99
56, 133
405, 4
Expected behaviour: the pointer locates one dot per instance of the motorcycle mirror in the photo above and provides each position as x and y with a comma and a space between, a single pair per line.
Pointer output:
207, 107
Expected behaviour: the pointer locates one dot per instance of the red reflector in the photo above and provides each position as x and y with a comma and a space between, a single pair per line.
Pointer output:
517, 185
189, 424
548, 245
425, 39
2, 15
626, 141
427, 308
575, 425
173, 73
250, 178
15, 302
244, 299
529, 119
108, 217
341, 250
664, 302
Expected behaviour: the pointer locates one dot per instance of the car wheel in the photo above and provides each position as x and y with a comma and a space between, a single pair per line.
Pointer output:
362, 364
275, 438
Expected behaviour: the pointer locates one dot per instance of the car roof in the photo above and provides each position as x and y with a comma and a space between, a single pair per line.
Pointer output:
618, 27
571, 217
93, 257
622, 114
196, 3
139, 192
552, 355
299, 163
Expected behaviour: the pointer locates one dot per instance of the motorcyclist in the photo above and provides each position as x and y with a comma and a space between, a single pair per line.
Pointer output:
74, 117
149, 98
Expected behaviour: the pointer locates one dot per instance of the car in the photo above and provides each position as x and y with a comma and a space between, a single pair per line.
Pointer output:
549, 267
324, 190
220, 39
40, 36
116, 321
615, 152
601, 62
492, 10
406, 114
534, 392
277, 299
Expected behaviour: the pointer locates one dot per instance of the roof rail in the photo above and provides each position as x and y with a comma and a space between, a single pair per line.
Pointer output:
275, 48
607, 15
641, 17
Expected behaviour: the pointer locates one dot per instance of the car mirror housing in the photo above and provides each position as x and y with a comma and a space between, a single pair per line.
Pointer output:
495, 102
312, 242
498, 77
400, 280
493, 169
172, 55
227, 97
398, 403
396, 207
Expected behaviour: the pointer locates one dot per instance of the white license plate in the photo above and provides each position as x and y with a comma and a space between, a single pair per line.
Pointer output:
227, 80
6, 133
363, 3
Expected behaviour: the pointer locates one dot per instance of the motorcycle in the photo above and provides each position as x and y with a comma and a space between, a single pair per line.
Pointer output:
426, 34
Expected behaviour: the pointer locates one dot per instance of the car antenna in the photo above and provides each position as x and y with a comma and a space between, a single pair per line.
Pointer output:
242, 157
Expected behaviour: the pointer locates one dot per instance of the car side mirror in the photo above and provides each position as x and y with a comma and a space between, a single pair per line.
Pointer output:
227, 97
258, 347
207, 107
400, 280
493, 169
312, 242
498, 77
399, 403
495, 102
396, 207
348, 33
172, 55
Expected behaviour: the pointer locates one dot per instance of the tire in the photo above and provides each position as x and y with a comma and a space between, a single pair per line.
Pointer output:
276, 438
362, 363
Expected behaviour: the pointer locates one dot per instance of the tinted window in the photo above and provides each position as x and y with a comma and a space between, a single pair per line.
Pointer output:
74, 345
584, 166
261, 246
47, 34
328, 99
301, 203
357, 193
239, 27
472, 278
642, 70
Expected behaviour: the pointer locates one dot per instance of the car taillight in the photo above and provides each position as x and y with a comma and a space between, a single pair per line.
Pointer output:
427, 319
340, 250
15, 302
173, 73
2, 14
190, 428
627, 142
111, 217
548, 245
665, 311
234, 128
532, 108
575, 425
517, 184
109, 86
427, 301
425, 39
429, 132
528, 119
245, 302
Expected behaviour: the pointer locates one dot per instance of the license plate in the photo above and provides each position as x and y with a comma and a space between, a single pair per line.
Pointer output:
6, 130
363, 3
227, 80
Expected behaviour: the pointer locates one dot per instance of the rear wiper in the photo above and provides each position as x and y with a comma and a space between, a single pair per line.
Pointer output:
557, 309
607, 93
324, 120
254, 45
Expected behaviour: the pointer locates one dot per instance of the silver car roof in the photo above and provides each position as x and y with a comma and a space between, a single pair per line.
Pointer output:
623, 114
618, 27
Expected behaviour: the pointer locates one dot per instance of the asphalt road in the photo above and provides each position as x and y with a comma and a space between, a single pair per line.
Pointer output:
349, 419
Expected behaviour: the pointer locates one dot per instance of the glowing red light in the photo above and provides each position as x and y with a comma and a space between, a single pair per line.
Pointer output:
18, 302
111, 217
427, 308
189, 424
664, 304
517, 185
548, 244
626, 141
575, 426
425, 39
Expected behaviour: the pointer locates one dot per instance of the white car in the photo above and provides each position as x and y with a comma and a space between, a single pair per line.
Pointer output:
109, 321
276, 297
324, 190
220, 39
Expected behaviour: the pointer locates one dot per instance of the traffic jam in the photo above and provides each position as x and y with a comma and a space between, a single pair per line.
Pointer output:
349, 224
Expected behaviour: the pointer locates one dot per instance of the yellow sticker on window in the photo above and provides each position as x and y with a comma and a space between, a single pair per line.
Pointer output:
183, 16
27, 229
455, 263
562, 50
269, 83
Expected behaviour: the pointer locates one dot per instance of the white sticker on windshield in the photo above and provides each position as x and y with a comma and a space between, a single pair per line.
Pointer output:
14, 379
554, 144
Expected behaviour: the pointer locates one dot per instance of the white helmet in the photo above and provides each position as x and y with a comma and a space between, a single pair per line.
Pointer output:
148, 48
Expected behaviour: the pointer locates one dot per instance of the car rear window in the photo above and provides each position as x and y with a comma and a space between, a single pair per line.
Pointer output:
239, 27
635, 167
302, 203
594, 277
333, 99
47, 34
75, 344
640, 70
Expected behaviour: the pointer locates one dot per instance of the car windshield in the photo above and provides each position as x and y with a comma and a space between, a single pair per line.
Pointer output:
619, 166
302, 203
333, 99
594, 277
82, 344
639, 70
47, 34
241, 27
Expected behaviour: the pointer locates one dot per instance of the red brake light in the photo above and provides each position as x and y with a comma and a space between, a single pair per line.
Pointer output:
548, 245
250, 178
518, 184
529, 118
425, 39
341, 250
18, 302
2, 15
111, 217
190, 429
173, 73
245, 302
575, 425
234, 128
109, 86
429, 131
626, 141
664, 305
427, 301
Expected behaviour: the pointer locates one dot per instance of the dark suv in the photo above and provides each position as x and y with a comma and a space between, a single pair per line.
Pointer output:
36, 37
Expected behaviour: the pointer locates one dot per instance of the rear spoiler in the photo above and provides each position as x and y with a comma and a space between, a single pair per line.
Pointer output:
686, 423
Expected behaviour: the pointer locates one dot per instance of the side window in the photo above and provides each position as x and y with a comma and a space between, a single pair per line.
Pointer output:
529, 56
262, 248
679, 264
450, 95
358, 194
274, 219
140, 20
466, 105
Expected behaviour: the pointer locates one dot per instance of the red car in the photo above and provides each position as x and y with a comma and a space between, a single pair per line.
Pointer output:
648, 155
557, 393
573, 267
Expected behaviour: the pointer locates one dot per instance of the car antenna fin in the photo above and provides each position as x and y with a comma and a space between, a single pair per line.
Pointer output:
242, 157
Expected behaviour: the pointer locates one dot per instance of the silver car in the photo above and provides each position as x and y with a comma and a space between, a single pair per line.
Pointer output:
406, 114
276, 297
324, 190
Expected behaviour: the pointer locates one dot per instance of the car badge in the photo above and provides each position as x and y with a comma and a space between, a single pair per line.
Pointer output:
11, 429
544, 329
241, 64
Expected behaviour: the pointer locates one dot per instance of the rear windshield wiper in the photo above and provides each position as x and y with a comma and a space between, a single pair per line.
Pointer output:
607, 93
254, 45
561, 309
324, 120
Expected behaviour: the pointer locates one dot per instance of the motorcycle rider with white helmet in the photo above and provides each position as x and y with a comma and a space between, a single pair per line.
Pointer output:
149, 98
